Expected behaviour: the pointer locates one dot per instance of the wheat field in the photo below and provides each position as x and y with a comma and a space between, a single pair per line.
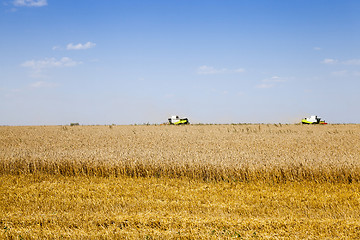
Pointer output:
242, 181
269, 153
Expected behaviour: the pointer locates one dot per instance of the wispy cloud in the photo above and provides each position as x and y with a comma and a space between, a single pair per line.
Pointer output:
329, 61
341, 73
345, 73
265, 85
43, 84
239, 70
38, 66
30, 3
352, 62
274, 79
345, 62
317, 48
80, 46
208, 70
50, 63
270, 82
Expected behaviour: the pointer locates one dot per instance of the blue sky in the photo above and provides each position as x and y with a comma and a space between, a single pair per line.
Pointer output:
214, 61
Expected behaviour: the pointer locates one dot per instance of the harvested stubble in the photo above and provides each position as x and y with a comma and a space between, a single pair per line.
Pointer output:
57, 207
267, 153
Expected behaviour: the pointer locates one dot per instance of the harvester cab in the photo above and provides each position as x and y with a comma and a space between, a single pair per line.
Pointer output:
313, 120
175, 120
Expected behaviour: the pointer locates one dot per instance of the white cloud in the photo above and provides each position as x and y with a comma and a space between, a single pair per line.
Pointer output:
345, 73
271, 82
274, 79
38, 66
317, 48
80, 46
50, 63
42, 84
341, 73
239, 70
208, 70
265, 85
30, 3
352, 62
346, 62
329, 61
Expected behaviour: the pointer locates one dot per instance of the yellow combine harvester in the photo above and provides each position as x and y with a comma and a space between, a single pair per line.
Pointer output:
175, 120
313, 120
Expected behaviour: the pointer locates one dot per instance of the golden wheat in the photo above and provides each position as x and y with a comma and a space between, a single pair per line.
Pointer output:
180, 182
57, 207
270, 153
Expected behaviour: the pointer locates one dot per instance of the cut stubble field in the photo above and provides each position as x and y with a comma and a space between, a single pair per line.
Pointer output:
180, 182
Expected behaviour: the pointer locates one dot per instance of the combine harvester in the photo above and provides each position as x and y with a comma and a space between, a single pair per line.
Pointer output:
313, 120
175, 120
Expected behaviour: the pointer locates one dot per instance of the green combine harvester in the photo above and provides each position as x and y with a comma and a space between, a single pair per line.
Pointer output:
175, 120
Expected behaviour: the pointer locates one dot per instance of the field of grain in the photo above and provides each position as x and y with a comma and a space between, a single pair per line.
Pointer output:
269, 153
180, 182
